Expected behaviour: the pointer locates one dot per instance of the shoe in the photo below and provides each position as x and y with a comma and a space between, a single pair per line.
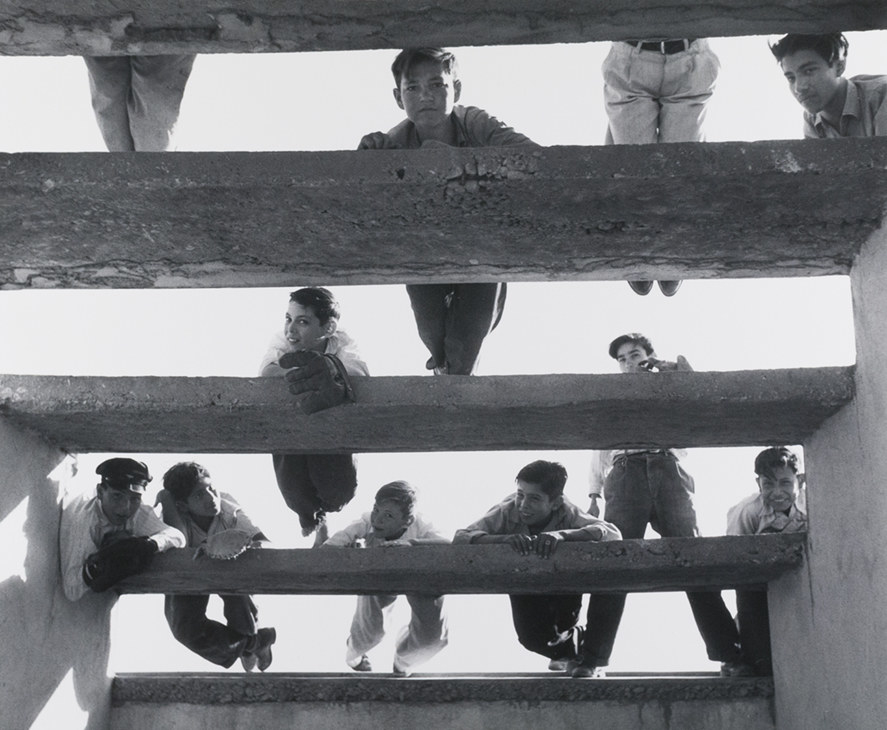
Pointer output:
670, 288
736, 669
363, 665
248, 660
398, 672
558, 665
587, 671
322, 533
430, 364
264, 639
641, 287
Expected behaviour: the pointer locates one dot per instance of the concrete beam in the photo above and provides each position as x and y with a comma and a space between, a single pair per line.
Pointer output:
785, 208
402, 414
99, 27
673, 564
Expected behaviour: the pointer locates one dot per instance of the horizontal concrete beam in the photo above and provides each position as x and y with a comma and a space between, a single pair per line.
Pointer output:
789, 208
97, 27
627, 565
455, 413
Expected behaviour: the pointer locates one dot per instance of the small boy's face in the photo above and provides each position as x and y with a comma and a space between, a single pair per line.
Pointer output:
533, 505
204, 500
388, 519
303, 329
779, 489
812, 81
427, 94
119, 505
632, 358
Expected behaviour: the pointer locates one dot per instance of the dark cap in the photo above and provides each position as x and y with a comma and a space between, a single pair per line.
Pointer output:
124, 474
633, 337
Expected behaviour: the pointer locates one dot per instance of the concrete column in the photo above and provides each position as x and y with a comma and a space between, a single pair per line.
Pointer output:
55, 653
829, 621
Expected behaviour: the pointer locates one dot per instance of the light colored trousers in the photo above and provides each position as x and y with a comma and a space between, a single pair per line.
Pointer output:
421, 639
656, 97
136, 99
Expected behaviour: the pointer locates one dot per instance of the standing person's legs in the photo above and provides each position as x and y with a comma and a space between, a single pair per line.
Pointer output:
688, 86
430, 303
241, 614
367, 626
109, 88
474, 311
546, 625
219, 644
631, 81
294, 483
158, 85
753, 616
425, 635
673, 491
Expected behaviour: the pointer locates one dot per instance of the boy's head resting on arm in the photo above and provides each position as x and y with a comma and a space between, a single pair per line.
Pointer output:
393, 511
776, 470
427, 88
312, 317
120, 490
540, 490
813, 66
190, 485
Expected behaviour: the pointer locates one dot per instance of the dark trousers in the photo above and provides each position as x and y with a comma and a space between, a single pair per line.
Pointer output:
313, 484
218, 643
651, 487
454, 319
753, 617
546, 625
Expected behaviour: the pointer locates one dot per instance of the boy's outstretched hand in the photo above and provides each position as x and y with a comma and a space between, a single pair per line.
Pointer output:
376, 141
319, 381
543, 544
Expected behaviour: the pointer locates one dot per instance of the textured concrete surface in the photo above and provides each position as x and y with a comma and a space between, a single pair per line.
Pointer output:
626, 565
243, 415
676, 211
52, 27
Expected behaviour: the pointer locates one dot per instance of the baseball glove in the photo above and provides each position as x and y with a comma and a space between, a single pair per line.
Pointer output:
318, 381
117, 561
225, 545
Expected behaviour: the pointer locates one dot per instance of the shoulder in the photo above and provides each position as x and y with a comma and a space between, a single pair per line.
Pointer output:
574, 516
482, 129
403, 134
745, 514
343, 346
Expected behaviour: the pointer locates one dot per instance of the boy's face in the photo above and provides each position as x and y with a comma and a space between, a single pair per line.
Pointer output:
427, 94
303, 329
631, 358
533, 504
388, 519
811, 79
779, 489
119, 505
204, 500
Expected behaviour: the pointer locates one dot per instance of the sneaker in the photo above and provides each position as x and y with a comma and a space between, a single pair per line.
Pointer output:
363, 665
670, 288
641, 287
398, 672
736, 669
264, 639
558, 665
587, 671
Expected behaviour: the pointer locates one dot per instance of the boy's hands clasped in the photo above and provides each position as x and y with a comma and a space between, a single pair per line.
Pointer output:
544, 544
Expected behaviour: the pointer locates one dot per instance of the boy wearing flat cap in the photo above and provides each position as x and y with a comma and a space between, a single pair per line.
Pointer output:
105, 538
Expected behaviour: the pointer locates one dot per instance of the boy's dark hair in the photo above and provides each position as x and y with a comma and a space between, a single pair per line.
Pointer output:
770, 459
403, 494
830, 46
181, 479
321, 301
635, 338
547, 475
409, 57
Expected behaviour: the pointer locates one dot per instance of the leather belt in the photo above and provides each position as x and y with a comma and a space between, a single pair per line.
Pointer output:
678, 45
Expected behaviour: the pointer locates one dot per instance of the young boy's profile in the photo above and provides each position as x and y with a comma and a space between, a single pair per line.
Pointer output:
452, 319
314, 484
108, 537
834, 106
778, 506
534, 521
392, 523
191, 503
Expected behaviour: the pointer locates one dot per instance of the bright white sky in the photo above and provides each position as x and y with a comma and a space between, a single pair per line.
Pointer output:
327, 101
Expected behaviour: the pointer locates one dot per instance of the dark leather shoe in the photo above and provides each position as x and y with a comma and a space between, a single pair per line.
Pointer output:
641, 287
670, 288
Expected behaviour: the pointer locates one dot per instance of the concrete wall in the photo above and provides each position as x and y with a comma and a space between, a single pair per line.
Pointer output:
55, 653
830, 621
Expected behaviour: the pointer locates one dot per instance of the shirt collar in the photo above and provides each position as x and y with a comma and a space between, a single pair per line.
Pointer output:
851, 109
